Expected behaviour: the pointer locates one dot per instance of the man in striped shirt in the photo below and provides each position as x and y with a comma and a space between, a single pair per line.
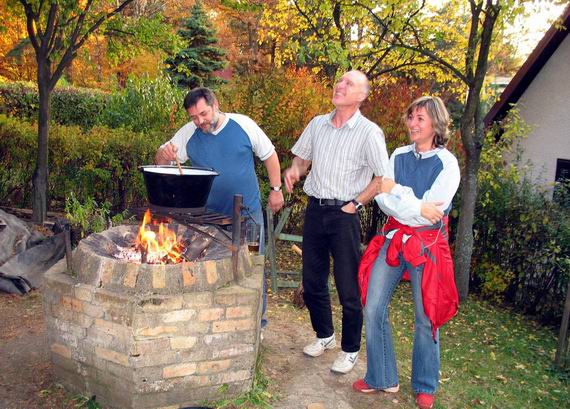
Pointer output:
346, 154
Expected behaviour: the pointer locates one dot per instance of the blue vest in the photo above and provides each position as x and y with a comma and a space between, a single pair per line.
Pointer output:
230, 153
417, 172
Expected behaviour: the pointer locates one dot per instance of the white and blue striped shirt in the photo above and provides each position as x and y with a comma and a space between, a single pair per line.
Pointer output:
343, 159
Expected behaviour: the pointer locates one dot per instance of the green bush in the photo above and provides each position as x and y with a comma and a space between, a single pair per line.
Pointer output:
89, 217
519, 231
69, 106
145, 105
100, 163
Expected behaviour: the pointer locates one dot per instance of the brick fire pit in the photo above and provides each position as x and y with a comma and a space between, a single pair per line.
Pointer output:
152, 336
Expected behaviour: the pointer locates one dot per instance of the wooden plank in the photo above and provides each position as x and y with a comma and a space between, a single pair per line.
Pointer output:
271, 248
288, 284
294, 273
285, 213
290, 237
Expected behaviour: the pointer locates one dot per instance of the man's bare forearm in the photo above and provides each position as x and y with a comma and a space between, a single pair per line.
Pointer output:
371, 190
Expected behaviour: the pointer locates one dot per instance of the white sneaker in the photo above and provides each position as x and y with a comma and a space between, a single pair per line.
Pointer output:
319, 345
344, 362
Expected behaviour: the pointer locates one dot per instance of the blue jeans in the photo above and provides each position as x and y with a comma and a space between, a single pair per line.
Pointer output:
382, 371
257, 216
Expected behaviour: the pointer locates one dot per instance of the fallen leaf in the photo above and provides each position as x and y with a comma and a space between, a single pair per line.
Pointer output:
501, 378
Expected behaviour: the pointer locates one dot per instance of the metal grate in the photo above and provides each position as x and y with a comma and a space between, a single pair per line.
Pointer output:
186, 216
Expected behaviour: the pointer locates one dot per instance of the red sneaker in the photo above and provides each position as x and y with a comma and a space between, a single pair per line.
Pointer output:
425, 400
361, 386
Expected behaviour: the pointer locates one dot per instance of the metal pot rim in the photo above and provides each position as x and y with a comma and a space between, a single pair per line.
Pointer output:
173, 170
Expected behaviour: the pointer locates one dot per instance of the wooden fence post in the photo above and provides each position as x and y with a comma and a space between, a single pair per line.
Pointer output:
561, 359
272, 236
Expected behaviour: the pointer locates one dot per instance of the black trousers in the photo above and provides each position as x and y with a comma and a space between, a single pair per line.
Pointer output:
330, 231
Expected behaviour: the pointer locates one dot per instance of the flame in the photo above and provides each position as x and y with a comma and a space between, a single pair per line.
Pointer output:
160, 248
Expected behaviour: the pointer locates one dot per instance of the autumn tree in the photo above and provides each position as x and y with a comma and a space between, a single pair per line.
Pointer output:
57, 29
195, 64
486, 19
340, 35
238, 28
452, 42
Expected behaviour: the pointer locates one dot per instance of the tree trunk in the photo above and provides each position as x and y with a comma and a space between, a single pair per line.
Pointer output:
40, 177
464, 238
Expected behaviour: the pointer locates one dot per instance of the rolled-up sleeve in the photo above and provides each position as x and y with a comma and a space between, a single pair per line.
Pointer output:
303, 146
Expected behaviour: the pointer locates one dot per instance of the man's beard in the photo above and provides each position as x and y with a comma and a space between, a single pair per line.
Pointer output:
213, 123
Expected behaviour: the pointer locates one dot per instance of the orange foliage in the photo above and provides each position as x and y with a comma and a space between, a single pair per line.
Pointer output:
282, 103
12, 32
386, 105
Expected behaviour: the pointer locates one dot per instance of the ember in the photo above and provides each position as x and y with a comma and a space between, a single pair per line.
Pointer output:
156, 248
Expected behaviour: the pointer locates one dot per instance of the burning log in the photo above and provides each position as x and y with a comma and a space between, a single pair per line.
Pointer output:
161, 248
197, 248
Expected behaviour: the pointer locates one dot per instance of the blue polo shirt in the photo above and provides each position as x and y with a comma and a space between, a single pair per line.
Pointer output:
229, 150
230, 153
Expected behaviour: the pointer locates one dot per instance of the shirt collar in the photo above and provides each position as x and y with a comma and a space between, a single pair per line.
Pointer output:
427, 154
351, 123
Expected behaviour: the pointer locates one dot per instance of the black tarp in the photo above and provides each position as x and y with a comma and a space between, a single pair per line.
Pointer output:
25, 254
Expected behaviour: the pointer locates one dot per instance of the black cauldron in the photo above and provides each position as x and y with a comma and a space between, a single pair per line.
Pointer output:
166, 187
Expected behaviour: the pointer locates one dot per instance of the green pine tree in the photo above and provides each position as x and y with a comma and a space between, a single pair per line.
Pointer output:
193, 66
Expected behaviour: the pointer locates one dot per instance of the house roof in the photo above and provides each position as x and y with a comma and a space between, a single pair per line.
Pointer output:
530, 69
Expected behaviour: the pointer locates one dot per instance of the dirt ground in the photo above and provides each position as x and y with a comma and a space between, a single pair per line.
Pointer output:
26, 379
295, 381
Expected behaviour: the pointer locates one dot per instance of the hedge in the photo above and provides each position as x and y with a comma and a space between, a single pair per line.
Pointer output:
100, 163
69, 106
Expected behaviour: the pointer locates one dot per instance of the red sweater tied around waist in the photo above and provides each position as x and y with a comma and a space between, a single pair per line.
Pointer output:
428, 246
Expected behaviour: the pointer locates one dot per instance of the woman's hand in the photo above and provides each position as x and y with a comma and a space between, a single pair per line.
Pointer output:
386, 185
430, 211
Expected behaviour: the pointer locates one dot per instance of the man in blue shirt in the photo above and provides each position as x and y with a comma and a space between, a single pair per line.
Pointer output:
227, 143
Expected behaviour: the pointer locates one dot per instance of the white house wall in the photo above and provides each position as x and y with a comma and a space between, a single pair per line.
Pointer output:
545, 106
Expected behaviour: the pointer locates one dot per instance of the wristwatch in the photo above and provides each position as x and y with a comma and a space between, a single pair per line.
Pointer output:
276, 188
357, 204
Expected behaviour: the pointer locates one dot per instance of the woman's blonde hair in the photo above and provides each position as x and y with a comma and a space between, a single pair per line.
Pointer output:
436, 110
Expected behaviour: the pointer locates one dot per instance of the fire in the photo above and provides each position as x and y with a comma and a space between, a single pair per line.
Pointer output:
161, 248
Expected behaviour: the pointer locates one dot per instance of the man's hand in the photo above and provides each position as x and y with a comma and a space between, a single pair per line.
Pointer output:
291, 176
430, 211
386, 185
298, 168
349, 208
275, 201
166, 155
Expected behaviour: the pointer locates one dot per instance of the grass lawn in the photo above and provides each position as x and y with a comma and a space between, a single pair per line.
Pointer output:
490, 357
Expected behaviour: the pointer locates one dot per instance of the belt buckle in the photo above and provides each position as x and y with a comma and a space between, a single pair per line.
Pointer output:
322, 202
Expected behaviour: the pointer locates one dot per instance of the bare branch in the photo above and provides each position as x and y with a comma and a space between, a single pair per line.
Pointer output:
307, 18
50, 27
436, 59
336, 17
30, 18
473, 40
75, 42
